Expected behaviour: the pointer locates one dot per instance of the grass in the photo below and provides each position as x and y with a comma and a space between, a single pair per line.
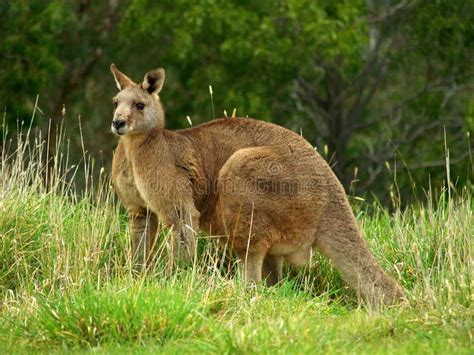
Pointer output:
66, 282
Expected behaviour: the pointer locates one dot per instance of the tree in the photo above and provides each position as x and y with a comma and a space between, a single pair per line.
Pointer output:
57, 51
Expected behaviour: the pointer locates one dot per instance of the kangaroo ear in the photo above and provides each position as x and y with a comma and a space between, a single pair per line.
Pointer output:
153, 81
121, 79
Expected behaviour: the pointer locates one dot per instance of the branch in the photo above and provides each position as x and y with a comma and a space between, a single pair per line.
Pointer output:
428, 87
392, 11
307, 86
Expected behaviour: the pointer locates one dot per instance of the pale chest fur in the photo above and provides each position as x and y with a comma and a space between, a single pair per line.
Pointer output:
156, 178
123, 182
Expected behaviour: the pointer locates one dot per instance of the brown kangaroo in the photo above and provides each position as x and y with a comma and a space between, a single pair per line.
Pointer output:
262, 188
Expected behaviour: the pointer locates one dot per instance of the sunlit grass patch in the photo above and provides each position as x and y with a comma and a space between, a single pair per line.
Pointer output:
113, 314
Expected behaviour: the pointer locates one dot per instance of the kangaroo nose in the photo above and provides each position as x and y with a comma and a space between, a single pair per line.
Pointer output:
118, 124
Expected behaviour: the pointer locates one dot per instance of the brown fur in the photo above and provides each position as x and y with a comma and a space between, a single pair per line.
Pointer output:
261, 187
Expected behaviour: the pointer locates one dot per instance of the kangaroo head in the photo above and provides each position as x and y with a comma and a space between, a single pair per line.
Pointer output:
137, 106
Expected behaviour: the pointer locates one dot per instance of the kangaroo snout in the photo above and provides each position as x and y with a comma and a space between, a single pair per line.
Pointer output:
118, 126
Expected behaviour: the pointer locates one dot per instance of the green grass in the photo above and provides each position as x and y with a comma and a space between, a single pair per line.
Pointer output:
66, 281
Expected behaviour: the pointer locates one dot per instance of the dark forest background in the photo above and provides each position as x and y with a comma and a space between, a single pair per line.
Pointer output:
383, 88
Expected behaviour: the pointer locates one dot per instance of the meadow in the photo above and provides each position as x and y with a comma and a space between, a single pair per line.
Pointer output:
66, 282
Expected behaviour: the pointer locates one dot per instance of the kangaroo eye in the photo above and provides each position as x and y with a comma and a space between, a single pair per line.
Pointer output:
115, 104
140, 106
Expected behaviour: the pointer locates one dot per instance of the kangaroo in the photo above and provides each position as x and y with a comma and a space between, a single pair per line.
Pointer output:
261, 187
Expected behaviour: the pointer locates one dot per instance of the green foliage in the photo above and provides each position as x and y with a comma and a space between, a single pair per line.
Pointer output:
371, 81
29, 50
249, 51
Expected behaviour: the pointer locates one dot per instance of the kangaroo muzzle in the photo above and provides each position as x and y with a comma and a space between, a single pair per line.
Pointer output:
119, 126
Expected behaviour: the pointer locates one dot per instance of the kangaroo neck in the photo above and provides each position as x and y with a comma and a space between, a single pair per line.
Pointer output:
135, 144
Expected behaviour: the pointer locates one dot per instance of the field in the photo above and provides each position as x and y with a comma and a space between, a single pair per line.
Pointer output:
66, 282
